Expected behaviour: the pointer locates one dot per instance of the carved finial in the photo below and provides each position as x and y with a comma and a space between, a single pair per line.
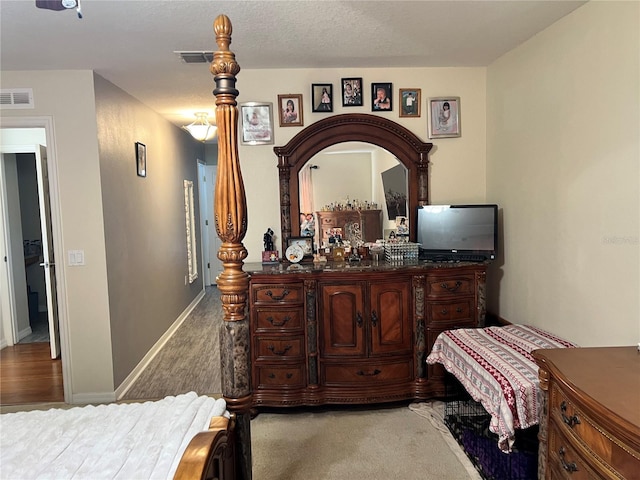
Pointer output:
224, 61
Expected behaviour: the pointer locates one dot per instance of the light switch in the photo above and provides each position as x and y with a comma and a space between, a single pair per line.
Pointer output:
76, 257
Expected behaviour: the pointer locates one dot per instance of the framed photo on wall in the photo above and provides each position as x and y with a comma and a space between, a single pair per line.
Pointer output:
351, 92
257, 123
290, 110
381, 97
410, 102
141, 159
444, 113
322, 97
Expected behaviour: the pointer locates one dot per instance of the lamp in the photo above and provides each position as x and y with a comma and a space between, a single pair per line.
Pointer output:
201, 129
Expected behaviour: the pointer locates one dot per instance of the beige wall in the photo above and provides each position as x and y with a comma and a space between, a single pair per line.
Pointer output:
457, 164
562, 161
67, 97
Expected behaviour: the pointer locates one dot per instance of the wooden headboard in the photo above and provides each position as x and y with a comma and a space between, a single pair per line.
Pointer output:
231, 225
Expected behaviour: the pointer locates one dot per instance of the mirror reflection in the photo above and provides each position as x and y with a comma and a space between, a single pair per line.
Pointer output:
353, 191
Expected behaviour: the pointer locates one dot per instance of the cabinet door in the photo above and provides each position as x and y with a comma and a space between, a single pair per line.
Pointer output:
390, 317
342, 320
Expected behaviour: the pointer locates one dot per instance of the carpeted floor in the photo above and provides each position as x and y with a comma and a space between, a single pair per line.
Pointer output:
190, 360
368, 443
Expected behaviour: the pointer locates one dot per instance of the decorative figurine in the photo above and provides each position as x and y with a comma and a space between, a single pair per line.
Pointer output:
268, 240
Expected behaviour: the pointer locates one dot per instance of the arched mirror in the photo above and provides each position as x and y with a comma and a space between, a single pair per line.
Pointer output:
355, 137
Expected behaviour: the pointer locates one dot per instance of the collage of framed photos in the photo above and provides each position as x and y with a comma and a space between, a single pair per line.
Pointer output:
257, 118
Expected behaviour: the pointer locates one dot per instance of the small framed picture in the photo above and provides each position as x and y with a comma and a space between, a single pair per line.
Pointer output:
257, 123
402, 227
444, 115
351, 92
409, 102
305, 242
270, 256
322, 97
141, 159
381, 97
290, 110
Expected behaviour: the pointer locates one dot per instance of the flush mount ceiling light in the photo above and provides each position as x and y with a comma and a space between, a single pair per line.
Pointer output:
201, 129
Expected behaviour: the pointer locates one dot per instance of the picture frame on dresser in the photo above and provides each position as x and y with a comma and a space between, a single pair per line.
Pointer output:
306, 243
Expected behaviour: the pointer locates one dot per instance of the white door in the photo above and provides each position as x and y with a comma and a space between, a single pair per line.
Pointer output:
215, 265
48, 262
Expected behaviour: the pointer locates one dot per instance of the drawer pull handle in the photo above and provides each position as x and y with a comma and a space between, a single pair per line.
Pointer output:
455, 287
369, 374
272, 375
277, 298
459, 310
444, 311
573, 420
374, 318
289, 375
284, 321
359, 319
568, 466
279, 352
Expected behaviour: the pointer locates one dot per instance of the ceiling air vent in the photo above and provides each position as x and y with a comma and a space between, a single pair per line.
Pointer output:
16, 98
196, 57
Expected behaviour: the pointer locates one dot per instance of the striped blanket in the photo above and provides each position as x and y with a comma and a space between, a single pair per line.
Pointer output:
495, 366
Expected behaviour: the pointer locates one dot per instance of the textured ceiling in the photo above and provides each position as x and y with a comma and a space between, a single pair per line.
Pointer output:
131, 43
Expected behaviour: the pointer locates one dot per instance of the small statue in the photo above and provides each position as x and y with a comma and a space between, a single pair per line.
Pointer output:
268, 240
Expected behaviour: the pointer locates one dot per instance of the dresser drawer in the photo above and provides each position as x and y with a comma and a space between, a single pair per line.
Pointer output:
285, 376
603, 446
282, 348
564, 462
447, 286
451, 311
367, 372
269, 318
277, 293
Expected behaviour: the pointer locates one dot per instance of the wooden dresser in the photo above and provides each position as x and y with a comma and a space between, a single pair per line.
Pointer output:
355, 333
590, 425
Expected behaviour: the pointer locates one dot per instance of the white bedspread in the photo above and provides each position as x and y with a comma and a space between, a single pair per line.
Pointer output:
116, 441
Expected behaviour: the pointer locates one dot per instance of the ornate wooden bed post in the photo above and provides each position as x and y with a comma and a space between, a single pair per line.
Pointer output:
231, 226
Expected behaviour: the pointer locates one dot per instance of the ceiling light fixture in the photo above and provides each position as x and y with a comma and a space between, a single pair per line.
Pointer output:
201, 129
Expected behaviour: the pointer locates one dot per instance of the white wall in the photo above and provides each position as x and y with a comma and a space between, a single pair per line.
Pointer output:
67, 97
458, 164
562, 160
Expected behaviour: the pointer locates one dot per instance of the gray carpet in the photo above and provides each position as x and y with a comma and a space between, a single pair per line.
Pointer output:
190, 360
364, 443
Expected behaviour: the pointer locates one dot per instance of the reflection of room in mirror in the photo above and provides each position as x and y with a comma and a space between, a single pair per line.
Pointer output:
353, 171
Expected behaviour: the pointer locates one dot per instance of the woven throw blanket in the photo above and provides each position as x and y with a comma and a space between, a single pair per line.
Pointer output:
114, 441
495, 366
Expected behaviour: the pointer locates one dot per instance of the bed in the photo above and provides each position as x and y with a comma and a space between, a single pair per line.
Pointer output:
183, 436
495, 367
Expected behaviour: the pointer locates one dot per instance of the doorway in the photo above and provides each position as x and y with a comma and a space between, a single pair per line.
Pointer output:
210, 243
29, 312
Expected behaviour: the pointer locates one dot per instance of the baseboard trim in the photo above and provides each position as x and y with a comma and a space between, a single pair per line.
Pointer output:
493, 320
128, 382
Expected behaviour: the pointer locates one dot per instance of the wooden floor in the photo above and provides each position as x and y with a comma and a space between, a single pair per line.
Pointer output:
28, 375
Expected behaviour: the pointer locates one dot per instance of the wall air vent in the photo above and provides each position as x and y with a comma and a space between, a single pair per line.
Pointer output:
196, 57
16, 98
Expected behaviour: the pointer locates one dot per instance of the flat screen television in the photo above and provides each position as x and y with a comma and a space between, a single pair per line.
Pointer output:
458, 232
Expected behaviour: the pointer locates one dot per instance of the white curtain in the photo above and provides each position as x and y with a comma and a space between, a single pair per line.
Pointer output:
306, 190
